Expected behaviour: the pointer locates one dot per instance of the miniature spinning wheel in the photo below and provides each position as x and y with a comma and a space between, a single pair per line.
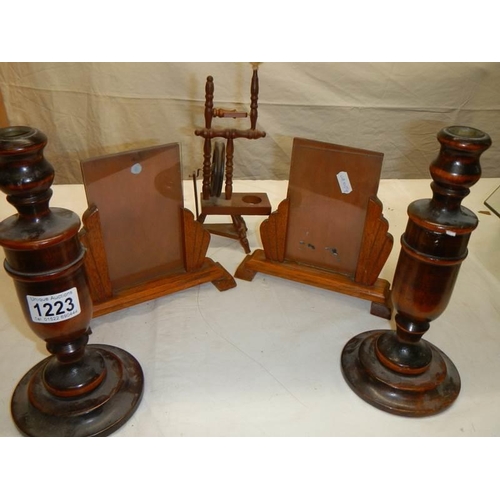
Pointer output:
218, 169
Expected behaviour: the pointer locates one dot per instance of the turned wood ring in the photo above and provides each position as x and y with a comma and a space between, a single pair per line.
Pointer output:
217, 173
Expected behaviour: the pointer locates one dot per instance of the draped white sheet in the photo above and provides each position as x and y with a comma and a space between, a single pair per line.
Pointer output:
90, 109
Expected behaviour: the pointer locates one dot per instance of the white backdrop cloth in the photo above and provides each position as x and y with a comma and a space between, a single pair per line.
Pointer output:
91, 109
263, 359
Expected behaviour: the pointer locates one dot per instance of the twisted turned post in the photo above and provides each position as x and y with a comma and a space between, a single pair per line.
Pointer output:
398, 371
207, 145
79, 390
228, 191
254, 97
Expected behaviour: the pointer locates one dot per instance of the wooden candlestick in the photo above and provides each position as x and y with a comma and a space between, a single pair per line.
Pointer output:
79, 390
397, 371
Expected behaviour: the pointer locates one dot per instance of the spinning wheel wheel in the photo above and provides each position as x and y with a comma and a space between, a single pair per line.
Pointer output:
217, 171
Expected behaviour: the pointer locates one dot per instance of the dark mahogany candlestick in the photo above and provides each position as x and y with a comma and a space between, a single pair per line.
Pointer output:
397, 371
79, 390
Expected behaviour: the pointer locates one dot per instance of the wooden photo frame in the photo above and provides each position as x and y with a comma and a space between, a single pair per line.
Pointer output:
329, 231
141, 242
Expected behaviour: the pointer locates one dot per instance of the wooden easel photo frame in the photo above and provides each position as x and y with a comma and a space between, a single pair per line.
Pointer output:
141, 242
329, 232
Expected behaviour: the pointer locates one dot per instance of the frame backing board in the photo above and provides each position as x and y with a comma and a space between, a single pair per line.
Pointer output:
139, 198
325, 224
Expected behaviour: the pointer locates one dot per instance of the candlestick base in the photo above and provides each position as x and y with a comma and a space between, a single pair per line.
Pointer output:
38, 412
427, 393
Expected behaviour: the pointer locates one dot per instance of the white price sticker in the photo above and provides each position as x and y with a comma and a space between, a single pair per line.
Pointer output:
54, 308
344, 182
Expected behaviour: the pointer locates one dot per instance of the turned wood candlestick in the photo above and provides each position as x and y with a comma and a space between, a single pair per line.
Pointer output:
79, 390
397, 371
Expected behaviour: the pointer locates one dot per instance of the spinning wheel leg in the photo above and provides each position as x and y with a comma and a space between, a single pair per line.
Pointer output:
241, 228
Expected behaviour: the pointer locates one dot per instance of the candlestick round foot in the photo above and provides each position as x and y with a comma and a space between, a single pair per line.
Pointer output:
412, 395
37, 411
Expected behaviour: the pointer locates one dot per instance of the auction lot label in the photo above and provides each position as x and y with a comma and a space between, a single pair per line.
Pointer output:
54, 308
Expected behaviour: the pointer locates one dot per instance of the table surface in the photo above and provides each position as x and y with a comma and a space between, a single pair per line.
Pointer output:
263, 359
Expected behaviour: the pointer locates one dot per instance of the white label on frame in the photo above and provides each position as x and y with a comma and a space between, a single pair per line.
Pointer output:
136, 168
54, 308
344, 182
